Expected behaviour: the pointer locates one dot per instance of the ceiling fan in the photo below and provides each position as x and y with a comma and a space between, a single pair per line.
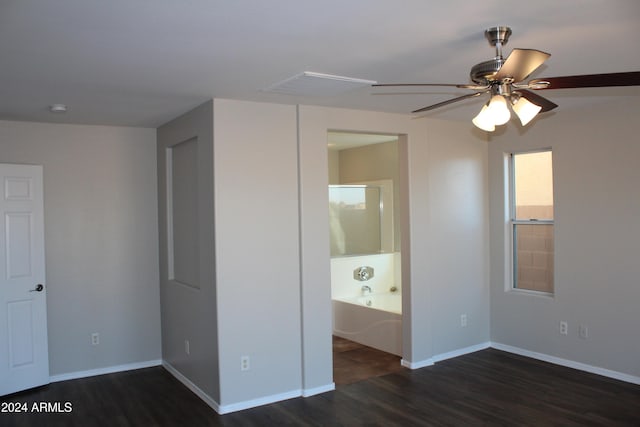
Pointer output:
504, 79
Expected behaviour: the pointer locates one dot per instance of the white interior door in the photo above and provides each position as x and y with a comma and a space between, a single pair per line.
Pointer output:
24, 356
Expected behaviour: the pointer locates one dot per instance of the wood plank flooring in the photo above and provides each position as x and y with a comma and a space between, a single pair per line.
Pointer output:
354, 362
489, 387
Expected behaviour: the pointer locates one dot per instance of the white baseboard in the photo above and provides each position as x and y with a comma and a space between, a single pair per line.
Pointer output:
459, 352
191, 386
239, 406
527, 353
103, 371
568, 363
416, 365
444, 356
308, 392
233, 407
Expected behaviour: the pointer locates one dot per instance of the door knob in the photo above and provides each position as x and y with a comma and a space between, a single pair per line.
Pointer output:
38, 288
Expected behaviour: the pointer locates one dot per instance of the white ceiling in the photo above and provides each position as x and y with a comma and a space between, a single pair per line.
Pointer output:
144, 62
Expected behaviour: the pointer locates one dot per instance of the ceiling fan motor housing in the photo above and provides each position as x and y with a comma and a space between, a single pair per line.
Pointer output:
483, 72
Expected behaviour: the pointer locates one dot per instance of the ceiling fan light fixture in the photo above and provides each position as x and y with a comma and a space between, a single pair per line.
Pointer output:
525, 110
484, 120
498, 110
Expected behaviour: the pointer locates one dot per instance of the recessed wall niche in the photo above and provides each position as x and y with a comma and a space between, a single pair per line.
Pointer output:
182, 213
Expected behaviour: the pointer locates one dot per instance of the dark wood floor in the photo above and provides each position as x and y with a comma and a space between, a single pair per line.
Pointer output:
354, 362
489, 387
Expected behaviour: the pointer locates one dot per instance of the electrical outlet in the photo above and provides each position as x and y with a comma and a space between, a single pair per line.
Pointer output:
244, 363
564, 328
583, 331
95, 338
186, 347
463, 320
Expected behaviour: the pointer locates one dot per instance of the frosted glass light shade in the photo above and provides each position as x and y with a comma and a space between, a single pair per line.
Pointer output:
484, 120
498, 110
525, 110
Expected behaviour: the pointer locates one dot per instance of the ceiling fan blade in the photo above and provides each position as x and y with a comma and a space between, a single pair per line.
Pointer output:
460, 86
449, 101
538, 100
631, 78
520, 63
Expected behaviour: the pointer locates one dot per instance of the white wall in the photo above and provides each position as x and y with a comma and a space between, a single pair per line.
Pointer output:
257, 250
597, 239
100, 239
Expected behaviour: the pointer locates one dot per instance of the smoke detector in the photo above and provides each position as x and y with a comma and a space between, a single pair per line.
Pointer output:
58, 108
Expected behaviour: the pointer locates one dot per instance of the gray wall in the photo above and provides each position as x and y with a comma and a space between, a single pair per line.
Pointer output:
271, 268
315, 267
257, 249
100, 240
596, 178
369, 163
188, 303
458, 236
444, 220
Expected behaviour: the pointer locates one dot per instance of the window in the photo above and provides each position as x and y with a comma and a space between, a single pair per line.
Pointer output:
532, 221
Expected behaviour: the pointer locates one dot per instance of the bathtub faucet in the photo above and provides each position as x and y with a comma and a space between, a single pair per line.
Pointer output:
366, 289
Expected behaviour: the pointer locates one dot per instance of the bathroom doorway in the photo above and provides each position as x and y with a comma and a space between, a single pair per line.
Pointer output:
353, 362
366, 288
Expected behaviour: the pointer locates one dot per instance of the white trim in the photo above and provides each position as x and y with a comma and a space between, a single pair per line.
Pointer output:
568, 363
103, 371
308, 392
191, 386
461, 351
233, 407
416, 365
239, 406
444, 356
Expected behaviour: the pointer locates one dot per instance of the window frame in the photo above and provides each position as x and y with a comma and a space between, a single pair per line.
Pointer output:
513, 222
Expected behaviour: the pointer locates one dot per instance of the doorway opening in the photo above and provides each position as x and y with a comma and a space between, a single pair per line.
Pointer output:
366, 286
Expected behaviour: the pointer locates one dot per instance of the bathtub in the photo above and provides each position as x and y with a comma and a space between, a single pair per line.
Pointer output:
374, 320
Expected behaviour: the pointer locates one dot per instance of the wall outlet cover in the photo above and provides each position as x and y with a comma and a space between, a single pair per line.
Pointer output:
244, 363
564, 328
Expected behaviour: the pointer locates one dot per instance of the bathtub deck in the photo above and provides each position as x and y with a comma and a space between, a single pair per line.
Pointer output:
354, 362
370, 326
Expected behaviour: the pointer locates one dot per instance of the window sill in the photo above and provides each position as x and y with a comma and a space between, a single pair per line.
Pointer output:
538, 294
